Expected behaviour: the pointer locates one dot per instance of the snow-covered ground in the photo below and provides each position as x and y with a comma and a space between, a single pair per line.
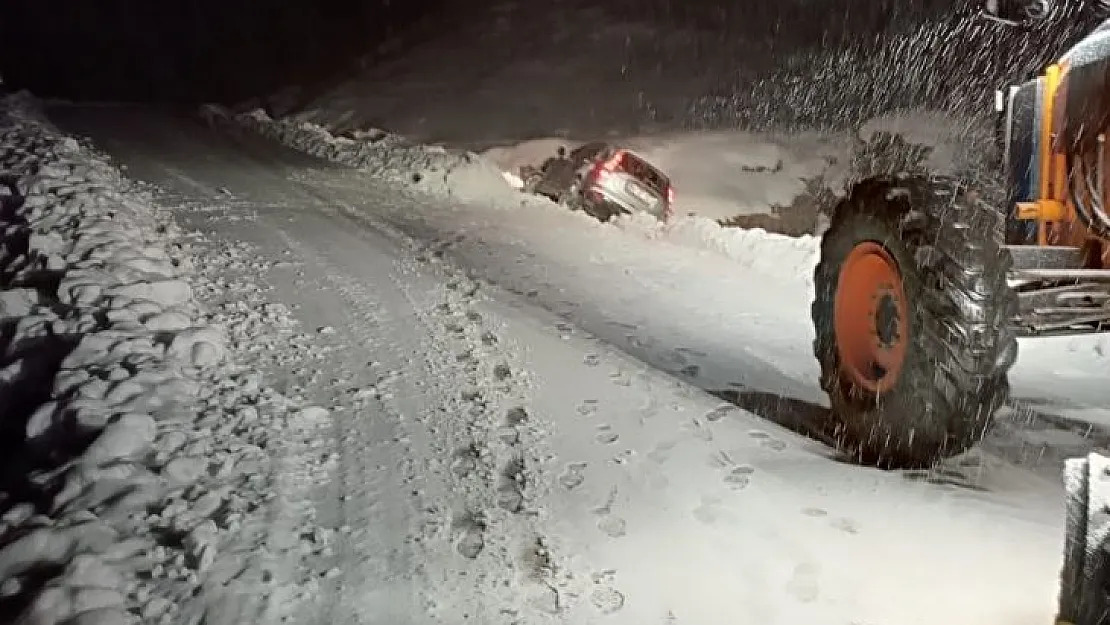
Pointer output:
504, 444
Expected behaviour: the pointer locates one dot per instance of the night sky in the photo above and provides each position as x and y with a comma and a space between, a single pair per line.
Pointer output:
189, 51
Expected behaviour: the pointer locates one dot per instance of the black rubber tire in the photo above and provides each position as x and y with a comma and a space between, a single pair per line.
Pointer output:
947, 244
1085, 575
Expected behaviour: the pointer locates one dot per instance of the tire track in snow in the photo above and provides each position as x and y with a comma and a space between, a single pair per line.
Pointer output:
514, 448
373, 442
465, 372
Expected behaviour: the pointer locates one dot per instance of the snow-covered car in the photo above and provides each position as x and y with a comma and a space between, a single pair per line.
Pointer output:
603, 180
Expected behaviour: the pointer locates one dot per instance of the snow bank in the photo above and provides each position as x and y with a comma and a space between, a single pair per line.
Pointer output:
768, 253
132, 451
100, 356
455, 173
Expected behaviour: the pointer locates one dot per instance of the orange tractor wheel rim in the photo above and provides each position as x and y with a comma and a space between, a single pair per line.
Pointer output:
870, 319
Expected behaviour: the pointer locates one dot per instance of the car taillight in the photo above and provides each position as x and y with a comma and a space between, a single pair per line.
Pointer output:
670, 194
608, 166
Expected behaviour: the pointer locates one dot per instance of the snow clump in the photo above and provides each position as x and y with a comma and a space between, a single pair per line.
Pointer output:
135, 453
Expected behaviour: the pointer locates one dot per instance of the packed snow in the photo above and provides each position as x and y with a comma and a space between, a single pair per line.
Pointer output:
490, 460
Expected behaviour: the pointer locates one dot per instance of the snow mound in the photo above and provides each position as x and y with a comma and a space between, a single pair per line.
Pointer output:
135, 454
101, 350
768, 253
428, 168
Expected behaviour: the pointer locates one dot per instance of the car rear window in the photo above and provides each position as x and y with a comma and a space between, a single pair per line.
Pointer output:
588, 152
639, 169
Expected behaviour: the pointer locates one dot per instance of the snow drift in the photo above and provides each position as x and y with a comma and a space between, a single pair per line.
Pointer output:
134, 452
456, 173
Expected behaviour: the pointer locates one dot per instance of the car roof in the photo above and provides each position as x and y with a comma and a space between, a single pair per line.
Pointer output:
646, 163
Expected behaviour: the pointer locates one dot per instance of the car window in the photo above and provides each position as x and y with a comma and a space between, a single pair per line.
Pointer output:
639, 169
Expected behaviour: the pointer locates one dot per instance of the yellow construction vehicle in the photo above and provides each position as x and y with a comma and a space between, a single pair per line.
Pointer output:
924, 284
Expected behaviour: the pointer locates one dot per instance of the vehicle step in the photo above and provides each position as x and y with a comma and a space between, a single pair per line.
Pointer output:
1045, 257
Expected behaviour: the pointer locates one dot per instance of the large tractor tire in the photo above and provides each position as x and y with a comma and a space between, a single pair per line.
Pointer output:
913, 313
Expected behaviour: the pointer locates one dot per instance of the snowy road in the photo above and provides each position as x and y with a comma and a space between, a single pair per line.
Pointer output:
494, 464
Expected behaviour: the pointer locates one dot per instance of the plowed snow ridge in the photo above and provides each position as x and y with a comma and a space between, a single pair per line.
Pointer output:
138, 458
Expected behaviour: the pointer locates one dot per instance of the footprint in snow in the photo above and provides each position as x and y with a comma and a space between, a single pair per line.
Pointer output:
471, 544
587, 408
572, 477
473, 540
612, 526
690, 371
803, 584
466, 460
502, 372
606, 436
691, 351
848, 526
516, 416
621, 378
510, 490
607, 600
766, 440
662, 452
700, 431
509, 435
739, 477
720, 412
